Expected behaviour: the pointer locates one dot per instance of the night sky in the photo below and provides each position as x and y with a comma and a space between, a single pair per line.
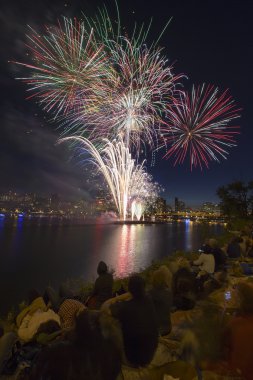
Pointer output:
209, 41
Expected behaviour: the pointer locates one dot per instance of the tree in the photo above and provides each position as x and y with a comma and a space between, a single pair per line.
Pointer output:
236, 199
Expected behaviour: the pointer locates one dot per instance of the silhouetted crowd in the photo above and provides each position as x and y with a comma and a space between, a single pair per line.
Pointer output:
190, 318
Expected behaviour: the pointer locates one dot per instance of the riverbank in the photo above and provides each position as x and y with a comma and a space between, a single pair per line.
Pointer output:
198, 326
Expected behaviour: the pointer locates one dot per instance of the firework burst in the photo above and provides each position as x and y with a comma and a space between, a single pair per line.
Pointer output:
68, 68
123, 176
143, 85
100, 84
198, 125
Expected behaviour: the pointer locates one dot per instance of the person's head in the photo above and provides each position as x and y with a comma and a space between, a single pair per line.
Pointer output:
236, 240
136, 286
162, 277
206, 249
63, 360
102, 268
245, 293
212, 243
173, 266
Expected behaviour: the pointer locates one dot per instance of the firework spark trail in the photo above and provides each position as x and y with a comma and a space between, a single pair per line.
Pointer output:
101, 87
198, 125
68, 69
140, 86
143, 191
115, 163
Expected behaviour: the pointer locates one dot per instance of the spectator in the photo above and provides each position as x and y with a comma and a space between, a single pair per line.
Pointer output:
238, 338
234, 249
184, 289
103, 287
34, 323
138, 323
220, 257
67, 312
88, 355
205, 261
161, 296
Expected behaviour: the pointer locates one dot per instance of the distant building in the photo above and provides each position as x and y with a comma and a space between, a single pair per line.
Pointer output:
179, 205
55, 201
160, 205
209, 207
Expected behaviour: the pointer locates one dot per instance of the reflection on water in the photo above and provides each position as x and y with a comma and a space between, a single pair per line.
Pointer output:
188, 234
126, 250
34, 256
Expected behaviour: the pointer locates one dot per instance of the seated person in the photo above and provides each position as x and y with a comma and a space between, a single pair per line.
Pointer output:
102, 290
234, 249
88, 354
67, 312
33, 324
238, 338
138, 323
205, 262
220, 257
161, 296
184, 289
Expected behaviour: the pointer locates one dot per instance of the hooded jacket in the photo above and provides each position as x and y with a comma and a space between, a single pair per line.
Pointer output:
103, 285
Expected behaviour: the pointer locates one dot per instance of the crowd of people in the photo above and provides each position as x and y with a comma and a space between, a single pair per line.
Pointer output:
59, 335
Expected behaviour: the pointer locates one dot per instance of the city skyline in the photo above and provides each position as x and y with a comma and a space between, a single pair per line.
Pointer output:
219, 54
26, 199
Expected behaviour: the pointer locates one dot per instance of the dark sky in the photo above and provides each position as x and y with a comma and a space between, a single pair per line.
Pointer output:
209, 41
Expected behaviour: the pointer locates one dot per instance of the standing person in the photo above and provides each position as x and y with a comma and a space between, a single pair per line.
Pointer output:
138, 323
102, 290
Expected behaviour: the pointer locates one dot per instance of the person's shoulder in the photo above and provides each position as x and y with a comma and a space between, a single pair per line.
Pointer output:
118, 307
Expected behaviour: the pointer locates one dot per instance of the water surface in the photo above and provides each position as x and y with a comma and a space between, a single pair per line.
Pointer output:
35, 255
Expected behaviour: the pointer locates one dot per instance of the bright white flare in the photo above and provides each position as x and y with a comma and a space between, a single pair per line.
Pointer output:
126, 180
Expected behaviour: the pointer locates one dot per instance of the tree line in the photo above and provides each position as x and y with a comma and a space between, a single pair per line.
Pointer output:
236, 199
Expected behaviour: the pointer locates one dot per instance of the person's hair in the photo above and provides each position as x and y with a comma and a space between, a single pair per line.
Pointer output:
136, 286
87, 355
162, 277
1, 331
245, 292
173, 266
206, 249
102, 268
212, 243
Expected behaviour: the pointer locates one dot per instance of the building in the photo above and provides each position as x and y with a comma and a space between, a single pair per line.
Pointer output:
179, 205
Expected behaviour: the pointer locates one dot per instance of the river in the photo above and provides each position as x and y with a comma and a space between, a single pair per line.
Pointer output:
37, 255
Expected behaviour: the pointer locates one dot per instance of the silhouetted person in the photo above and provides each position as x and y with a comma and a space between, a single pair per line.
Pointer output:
234, 249
238, 338
138, 322
88, 355
184, 289
161, 296
103, 286
220, 257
